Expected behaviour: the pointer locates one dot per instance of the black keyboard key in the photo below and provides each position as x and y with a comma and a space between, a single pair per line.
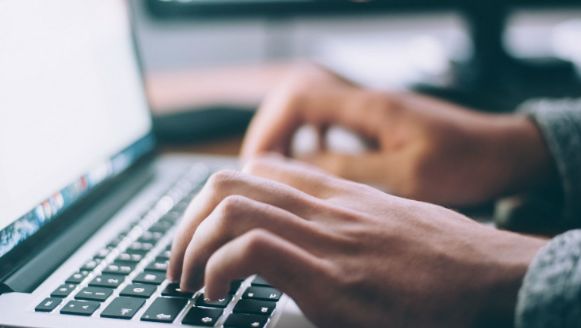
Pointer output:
150, 237
262, 293
98, 294
102, 253
164, 309
173, 216
130, 258
149, 277
123, 268
254, 307
48, 304
138, 290
113, 243
139, 248
123, 308
160, 226
164, 255
235, 286
259, 281
107, 280
221, 303
85, 308
77, 277
173, 290
91, 265
202, 317
159, 265
63, 290
245, 321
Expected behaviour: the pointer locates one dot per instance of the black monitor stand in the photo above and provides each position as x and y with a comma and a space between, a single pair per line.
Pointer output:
492, 79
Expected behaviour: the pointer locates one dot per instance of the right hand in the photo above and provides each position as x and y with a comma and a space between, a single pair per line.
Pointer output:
426, 149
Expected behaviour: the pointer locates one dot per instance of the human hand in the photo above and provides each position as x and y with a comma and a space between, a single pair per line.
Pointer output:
348, 254
424, 148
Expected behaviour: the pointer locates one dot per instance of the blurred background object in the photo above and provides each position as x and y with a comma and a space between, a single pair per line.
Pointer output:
210, 62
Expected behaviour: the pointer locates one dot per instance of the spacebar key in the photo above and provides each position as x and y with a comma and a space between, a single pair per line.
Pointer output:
164, 309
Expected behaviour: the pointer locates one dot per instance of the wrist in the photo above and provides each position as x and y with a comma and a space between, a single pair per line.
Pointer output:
523, 161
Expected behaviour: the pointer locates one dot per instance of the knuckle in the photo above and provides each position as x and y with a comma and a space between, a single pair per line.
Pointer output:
262, 163
223, 179
232, 208
255, 242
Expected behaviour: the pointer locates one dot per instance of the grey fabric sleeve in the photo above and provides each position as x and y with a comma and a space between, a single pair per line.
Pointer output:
550, 295
560, 125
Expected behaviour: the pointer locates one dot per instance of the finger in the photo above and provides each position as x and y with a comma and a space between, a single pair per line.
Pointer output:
222, 185
368, 168
282, 263
235, 216
278, 119
304, 177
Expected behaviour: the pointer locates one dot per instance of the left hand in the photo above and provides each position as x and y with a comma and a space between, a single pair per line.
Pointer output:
348, 254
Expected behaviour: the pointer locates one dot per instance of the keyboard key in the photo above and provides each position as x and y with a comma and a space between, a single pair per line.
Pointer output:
63, 290
159, 265
164, 255
149, 277
259, 281
164, 309
221, 303
85, 308
91, 265
138, 290
254, 307
173, 290
123, 268
94, 294
102, 253
262, 293
131, 258
161, 226
107, 280
48, 304
245, 321
139, 248
150, 237
123, 308
202, 317
235, 286
77, 277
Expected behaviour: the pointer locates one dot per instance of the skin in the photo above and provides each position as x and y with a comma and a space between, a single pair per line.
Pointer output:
420, 147
370, 258
351, 255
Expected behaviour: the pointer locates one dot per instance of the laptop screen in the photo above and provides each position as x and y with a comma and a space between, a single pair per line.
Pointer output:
73, 112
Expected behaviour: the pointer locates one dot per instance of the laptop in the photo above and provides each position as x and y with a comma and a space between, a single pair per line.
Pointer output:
87, 206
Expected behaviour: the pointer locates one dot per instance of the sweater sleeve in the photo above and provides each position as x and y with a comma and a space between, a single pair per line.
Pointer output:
560, 125
550, 295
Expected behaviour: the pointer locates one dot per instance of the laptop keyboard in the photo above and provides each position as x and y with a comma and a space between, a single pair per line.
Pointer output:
126, 279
